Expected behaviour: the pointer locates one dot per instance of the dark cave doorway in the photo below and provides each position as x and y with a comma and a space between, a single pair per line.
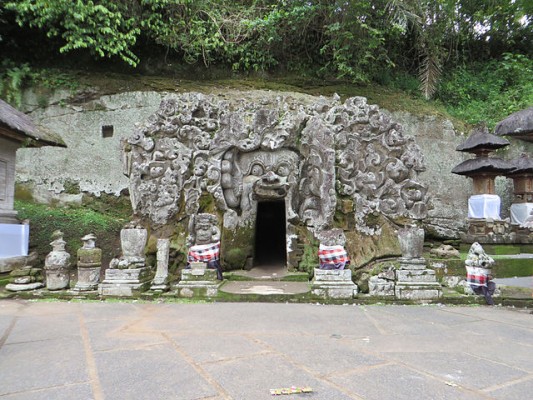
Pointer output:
270, 235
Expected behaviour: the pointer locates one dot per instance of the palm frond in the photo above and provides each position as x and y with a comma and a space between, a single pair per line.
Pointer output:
430, 71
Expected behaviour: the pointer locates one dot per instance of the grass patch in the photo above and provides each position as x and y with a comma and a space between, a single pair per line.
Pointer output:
74, 223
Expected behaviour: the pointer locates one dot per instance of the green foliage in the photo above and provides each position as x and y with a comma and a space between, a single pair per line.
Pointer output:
489, 91
12, 80
101, 27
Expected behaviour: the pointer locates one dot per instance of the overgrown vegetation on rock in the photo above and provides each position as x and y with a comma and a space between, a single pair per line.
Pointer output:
473, 56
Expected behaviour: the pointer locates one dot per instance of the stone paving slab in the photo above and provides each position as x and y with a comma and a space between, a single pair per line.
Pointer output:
265, 287
221, 351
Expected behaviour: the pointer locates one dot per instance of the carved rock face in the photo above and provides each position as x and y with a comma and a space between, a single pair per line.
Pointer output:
306, 155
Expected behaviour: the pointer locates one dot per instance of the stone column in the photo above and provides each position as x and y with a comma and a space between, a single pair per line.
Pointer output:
57, 264
160, 282
413, 280
89, 265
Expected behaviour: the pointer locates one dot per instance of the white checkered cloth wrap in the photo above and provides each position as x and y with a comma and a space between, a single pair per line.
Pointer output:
477, 276
204, 252
332, 255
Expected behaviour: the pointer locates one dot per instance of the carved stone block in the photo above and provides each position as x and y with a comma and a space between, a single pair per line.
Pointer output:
334, 284
125, 282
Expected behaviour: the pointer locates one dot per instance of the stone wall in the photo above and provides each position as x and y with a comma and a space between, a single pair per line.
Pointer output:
92, 130
92, 162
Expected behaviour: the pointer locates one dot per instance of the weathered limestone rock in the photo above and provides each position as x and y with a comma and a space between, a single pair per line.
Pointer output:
160, 282
27, 275
89, 265
413, 280
236, 155
445, 251
57, 264
128, 274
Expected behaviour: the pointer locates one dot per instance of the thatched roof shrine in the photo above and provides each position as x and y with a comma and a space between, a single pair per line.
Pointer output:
522, 165
17, 126
481, 141
518, 124
483, 165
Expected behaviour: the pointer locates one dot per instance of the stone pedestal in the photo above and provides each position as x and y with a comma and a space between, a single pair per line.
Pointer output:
380, 287
198, 281
414, 281
333, 284
125, 282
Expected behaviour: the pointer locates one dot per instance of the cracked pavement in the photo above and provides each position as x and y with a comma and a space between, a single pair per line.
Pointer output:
212, 351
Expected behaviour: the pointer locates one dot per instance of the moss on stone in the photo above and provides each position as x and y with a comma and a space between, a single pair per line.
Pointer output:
362, 249
71, 187
526, 248
309, 260
235, 258
207, 204
23, 192
90, 255
237, 247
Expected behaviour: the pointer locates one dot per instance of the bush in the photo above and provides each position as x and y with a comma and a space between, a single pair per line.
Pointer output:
489, 91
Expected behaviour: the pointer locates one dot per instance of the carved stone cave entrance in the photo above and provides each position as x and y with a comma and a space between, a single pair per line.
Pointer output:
270, 235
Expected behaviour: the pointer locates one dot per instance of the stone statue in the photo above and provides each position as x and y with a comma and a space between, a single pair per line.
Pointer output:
57, 264
478, 272
204, 242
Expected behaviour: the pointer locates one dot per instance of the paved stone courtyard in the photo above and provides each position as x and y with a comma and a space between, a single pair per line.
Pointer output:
132, 350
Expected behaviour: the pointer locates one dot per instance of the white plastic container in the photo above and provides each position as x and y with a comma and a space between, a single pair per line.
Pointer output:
14, 240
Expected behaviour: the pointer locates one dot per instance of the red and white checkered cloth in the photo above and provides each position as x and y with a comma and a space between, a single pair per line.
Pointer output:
332, 255
204, 252
477, 276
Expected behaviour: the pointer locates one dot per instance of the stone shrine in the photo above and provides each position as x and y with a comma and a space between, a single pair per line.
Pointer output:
89, 264
128, 274
57, 264
414, 281
275, 172
333, 277
203, 272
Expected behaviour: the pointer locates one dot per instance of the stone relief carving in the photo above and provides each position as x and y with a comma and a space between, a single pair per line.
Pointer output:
274, 149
